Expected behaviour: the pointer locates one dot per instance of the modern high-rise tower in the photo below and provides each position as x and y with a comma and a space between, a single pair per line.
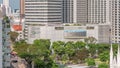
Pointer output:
115, 21
98, 11
43, 11
67, 7
75, 11
86, 11
80, 11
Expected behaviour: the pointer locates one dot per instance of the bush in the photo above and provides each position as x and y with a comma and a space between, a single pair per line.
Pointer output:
104, 56
91, 62
103, 65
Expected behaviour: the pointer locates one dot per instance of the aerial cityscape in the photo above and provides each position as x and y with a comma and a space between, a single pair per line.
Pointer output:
60, 33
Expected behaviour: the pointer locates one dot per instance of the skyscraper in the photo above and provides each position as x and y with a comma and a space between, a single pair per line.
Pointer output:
43, 11
75, 11
115, 21
98, 11
86, 11
67, 7
80, 10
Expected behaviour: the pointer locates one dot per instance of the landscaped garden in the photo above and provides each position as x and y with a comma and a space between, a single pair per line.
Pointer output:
45, 54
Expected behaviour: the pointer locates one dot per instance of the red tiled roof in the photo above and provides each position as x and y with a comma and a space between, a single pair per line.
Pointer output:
17, 27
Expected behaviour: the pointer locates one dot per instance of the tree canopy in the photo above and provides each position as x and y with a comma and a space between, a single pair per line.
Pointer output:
46, 54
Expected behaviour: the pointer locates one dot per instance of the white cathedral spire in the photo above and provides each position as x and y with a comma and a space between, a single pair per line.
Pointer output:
114, 60
118, 57
111, 57
114, 65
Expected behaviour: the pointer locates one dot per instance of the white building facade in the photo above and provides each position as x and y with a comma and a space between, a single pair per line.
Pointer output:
67, 33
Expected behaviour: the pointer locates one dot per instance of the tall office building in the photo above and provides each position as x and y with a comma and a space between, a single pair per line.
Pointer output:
67, 8
98, 11
86, 11
75, 11
80, 11
115, 21
69, 11
43, 11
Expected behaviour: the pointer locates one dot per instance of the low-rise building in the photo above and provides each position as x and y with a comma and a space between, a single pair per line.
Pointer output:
17, 24
61, 32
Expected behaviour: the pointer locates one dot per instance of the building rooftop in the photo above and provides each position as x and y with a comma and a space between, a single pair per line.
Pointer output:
17, 27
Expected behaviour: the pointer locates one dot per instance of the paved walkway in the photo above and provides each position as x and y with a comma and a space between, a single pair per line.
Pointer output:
76, 66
